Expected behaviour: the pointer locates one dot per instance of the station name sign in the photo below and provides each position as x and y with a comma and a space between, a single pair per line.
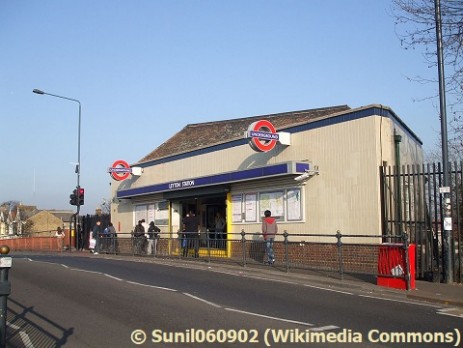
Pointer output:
181, 184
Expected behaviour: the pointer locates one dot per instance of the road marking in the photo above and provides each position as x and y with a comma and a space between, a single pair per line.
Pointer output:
151, 286
269, 317
400, 301
324, 328
451, 312
328, 289
24, 336
84, 270
202, 300
26, 339
112, 277
13, 326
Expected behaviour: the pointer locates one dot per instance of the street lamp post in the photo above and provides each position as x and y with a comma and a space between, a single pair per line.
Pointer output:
447, 230
40, 92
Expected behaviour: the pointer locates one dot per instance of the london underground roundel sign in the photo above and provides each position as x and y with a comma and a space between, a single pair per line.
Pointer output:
262, 136
120, 170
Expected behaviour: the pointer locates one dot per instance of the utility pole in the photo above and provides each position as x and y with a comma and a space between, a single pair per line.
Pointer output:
445, 190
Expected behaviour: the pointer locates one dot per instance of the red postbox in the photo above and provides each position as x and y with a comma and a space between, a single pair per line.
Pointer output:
392, 269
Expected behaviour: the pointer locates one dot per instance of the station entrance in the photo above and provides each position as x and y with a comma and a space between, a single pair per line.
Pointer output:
211, 213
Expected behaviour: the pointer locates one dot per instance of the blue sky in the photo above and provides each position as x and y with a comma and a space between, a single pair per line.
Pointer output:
144, 69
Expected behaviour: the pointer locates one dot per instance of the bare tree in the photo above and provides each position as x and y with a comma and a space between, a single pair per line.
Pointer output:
416, 26
105, 206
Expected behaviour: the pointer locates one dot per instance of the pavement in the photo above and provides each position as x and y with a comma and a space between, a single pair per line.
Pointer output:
448, 294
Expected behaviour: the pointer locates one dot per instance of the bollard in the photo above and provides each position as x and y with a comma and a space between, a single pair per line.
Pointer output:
5, 290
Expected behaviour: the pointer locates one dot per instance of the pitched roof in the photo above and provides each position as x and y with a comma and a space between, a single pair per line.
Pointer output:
201, 135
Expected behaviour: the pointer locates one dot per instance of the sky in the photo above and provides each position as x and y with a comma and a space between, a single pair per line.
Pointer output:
142, 70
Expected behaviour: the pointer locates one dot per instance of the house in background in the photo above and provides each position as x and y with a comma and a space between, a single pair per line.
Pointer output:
13, 218
46, 221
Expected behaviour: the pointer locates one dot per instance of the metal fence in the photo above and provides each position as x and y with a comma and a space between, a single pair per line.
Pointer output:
339, 254
292, 251
412, 204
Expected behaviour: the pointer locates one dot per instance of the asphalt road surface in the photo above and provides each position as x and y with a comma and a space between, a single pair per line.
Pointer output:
73, 301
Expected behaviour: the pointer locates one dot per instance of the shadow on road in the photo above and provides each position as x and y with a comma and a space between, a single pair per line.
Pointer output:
27, 328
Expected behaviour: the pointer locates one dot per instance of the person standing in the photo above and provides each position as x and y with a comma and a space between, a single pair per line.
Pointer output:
219, 228
191, 230
145, 225
59, 234
269, 230
153, 233
139, 238
96, 234
112, 238
80, 238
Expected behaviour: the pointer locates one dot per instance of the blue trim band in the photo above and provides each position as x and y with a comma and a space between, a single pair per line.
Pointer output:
218, 179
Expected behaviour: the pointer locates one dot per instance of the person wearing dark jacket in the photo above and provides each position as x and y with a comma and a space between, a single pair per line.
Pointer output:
138, 238
96, 234
153, 233
269, 230
191, 231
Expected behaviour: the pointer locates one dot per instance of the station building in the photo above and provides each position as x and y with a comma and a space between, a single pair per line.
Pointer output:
316, 170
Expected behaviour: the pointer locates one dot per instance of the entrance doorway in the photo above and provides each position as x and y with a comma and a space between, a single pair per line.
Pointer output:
209, 210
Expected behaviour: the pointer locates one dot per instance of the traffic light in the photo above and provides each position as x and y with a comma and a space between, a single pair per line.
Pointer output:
80, 196
73, 198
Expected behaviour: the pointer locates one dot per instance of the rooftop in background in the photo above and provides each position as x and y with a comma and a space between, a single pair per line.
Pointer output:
201, 135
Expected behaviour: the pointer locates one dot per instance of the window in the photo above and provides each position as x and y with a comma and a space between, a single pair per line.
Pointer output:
157, 212
285, 205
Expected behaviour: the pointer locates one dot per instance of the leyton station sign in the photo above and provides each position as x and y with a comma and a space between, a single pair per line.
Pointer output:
263, 137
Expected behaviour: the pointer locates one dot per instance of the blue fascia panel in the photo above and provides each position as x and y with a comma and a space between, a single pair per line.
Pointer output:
218, 179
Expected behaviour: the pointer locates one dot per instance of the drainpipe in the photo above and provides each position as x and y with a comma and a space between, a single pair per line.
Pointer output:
397, 140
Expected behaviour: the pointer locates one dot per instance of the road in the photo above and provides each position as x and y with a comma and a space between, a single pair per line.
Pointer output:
74, 301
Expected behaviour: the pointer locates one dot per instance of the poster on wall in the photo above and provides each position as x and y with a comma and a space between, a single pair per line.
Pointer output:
294, 205
150, 213
162, 213
236, 208
272, 201
140, 213
250, 204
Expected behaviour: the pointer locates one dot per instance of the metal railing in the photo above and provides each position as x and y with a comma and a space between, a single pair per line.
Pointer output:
338, 253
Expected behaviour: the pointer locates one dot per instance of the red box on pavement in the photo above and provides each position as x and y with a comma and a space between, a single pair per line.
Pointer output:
392, 266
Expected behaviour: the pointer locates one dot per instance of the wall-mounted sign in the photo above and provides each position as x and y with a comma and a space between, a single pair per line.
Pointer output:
120, 170
263, 137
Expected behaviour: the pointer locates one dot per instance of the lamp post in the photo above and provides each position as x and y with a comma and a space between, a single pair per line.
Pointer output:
40, 92
447, 230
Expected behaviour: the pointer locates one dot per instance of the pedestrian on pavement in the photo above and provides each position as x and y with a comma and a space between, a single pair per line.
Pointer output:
80, 238
138, 238
96, 233
59, 234
269, 230
145, 225
153, 234
219, 228
112, 238
191, 229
